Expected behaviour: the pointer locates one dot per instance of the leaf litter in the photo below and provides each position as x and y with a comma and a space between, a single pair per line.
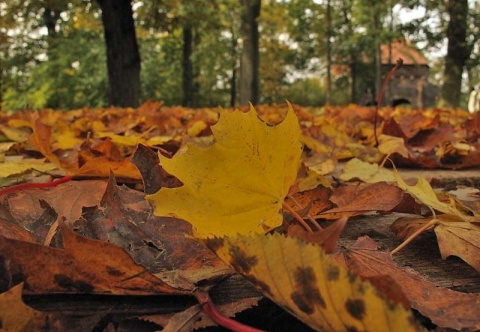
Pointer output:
258, 168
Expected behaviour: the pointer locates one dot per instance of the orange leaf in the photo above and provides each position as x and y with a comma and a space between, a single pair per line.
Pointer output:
352, 201
84, 163
83, 266
444, 307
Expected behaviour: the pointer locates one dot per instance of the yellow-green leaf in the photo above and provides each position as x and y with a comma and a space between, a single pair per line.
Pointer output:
392, 144
424, 192
366, 172
19, 167
301, 278
238, 184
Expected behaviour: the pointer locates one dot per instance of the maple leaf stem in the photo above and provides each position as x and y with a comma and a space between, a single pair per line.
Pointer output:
297, 217
23, 186
309, 216
381, 93
428, 225
209, 308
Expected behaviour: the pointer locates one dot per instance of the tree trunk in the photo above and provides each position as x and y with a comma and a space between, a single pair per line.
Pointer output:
233, 79
353, 79
378, 54
249, 71
328, 97
458, 51
50, 18
187, 75
123, 58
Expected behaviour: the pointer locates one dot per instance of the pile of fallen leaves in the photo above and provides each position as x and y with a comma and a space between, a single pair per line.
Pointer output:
209, 193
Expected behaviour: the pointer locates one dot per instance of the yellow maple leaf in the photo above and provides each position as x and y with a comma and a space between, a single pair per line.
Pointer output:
238, 184
305, 281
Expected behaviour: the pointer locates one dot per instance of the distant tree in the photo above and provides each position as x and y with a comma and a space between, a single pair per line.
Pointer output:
458, 51
123, 58
203, 36
188, 82
249, 64
454, 22
52, 55
328, 22
276, 54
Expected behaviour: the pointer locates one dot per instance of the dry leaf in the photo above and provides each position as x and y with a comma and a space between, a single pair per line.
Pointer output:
326, 238
83, 266
391, 144
19, 167
238, 184
301, 278
17, 316
424, 192
455, 237
67, 200
444, 307
356, 200
124, 218
313, 201
154, 176
366, 172
86, 162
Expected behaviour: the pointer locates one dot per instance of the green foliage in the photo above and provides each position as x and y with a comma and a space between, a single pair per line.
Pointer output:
161, 69
60, 67
58, 60
307, 92
72, 76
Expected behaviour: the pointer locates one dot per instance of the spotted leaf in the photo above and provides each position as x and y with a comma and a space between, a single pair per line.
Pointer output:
305, 281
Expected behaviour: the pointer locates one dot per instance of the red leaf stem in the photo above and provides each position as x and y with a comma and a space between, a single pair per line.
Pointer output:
210, 309
380, 95
23, 186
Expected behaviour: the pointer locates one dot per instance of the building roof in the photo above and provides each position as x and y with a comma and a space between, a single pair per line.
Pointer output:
402, 49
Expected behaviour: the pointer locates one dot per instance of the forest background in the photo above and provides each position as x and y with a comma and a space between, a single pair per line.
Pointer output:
223, 52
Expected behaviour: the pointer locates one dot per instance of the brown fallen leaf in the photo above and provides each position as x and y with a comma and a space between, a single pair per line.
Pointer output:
10, 227
353, 200
444, 307
67, 200
123, 217
15, 315
468, 197
326, 238
83, 266
313, 201
455, 237
154, 176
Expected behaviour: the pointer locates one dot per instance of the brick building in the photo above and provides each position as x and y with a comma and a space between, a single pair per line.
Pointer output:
409, 85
